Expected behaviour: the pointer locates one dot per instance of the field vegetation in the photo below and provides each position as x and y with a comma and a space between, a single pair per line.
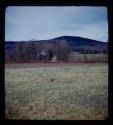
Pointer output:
57, 93
88, 58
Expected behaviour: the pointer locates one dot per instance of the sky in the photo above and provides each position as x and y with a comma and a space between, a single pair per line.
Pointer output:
40, 23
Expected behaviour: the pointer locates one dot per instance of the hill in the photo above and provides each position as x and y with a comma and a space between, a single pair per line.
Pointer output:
45, 50
79, 44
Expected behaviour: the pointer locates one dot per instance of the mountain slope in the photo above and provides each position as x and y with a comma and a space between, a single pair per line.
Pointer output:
73, 40
76, 43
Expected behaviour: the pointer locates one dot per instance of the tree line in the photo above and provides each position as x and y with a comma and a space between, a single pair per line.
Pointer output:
30, 51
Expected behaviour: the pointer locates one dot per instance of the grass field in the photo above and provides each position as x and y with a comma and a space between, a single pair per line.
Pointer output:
57, 93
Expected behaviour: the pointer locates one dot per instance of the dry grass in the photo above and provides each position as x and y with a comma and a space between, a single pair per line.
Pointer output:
89, 58
57, 93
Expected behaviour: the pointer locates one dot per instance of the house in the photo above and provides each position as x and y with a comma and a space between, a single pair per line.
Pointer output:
46, 55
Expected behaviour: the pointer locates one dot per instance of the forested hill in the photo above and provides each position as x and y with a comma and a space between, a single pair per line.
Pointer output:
79, 44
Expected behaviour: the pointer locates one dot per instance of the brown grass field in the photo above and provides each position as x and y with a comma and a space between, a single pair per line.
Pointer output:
49, 64
56, 91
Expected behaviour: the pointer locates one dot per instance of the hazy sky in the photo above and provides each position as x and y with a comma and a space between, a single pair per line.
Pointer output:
39, 23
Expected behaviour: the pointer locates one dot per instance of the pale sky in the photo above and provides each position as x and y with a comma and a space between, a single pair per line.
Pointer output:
39, 23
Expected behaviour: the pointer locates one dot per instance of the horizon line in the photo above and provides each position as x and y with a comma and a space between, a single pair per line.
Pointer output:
50, 39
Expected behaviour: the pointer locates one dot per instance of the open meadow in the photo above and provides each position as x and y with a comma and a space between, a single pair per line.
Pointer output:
58, 92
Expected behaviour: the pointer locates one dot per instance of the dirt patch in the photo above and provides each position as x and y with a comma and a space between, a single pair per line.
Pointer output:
71, 75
